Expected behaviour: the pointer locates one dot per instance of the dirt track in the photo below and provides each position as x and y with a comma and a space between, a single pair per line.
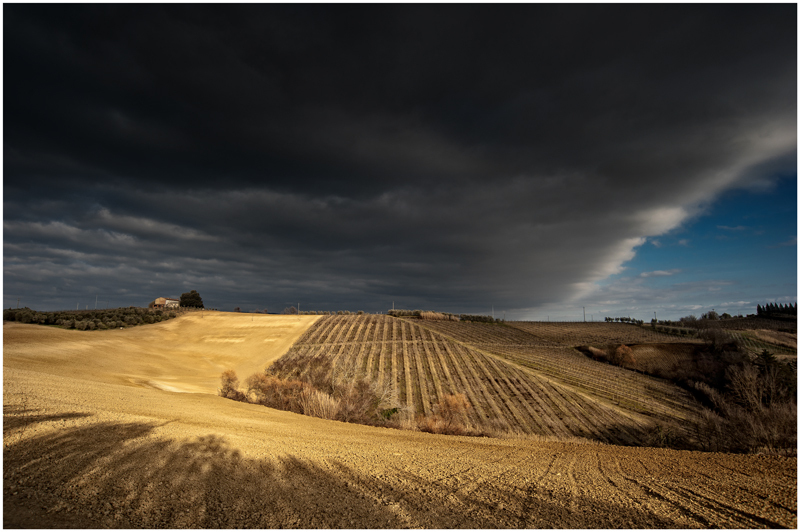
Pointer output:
92, 438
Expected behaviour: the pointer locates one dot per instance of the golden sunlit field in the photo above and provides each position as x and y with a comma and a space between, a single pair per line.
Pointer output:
124, 429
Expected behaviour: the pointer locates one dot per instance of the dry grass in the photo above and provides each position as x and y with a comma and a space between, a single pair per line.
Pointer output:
319, 404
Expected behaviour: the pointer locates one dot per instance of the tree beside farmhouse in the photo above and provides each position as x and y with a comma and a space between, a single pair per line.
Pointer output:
191, 299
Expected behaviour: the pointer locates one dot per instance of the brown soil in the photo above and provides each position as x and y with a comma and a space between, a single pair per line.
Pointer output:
97, 435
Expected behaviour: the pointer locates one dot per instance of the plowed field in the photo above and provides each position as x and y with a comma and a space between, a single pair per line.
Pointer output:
122, 429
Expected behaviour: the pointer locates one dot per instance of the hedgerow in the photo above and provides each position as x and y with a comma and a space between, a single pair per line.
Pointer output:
89, 320
310, 386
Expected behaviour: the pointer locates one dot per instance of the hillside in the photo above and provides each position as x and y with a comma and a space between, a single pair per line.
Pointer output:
90, 442
186, 354
515, 381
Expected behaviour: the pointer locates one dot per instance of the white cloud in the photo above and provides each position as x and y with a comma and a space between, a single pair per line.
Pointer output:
736, 304
657, 221
660, 273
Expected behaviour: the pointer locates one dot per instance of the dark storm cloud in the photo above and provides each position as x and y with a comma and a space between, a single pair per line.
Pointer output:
349, 155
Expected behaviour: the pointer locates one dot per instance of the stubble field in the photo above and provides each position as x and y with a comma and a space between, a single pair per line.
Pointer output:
123, 429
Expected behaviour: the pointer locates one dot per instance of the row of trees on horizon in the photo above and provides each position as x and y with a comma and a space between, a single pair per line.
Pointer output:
772, 309
90, 320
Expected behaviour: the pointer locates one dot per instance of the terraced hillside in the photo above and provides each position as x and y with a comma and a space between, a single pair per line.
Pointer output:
514, 380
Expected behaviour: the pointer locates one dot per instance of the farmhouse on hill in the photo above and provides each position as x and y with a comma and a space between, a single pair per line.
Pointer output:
165, 302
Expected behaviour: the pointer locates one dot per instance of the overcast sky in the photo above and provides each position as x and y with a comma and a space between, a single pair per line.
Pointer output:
534, 158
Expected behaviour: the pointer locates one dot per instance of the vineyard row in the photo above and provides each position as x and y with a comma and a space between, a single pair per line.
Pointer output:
419, 366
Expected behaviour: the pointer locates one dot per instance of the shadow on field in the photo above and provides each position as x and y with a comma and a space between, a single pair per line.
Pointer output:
18, 419
119, 475
662, 434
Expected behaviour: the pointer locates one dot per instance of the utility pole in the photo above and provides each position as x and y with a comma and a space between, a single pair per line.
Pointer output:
76, 305
584, 314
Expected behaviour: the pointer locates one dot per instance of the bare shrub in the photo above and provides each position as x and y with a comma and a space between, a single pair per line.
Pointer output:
661, 435
745, 385
360, 402
432, 424
229, 386
712, 431
620, 355
772, 429
453, 408
712, 396
268, 390
401, 418
773, 391
449, 416
780, 421
319, 404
